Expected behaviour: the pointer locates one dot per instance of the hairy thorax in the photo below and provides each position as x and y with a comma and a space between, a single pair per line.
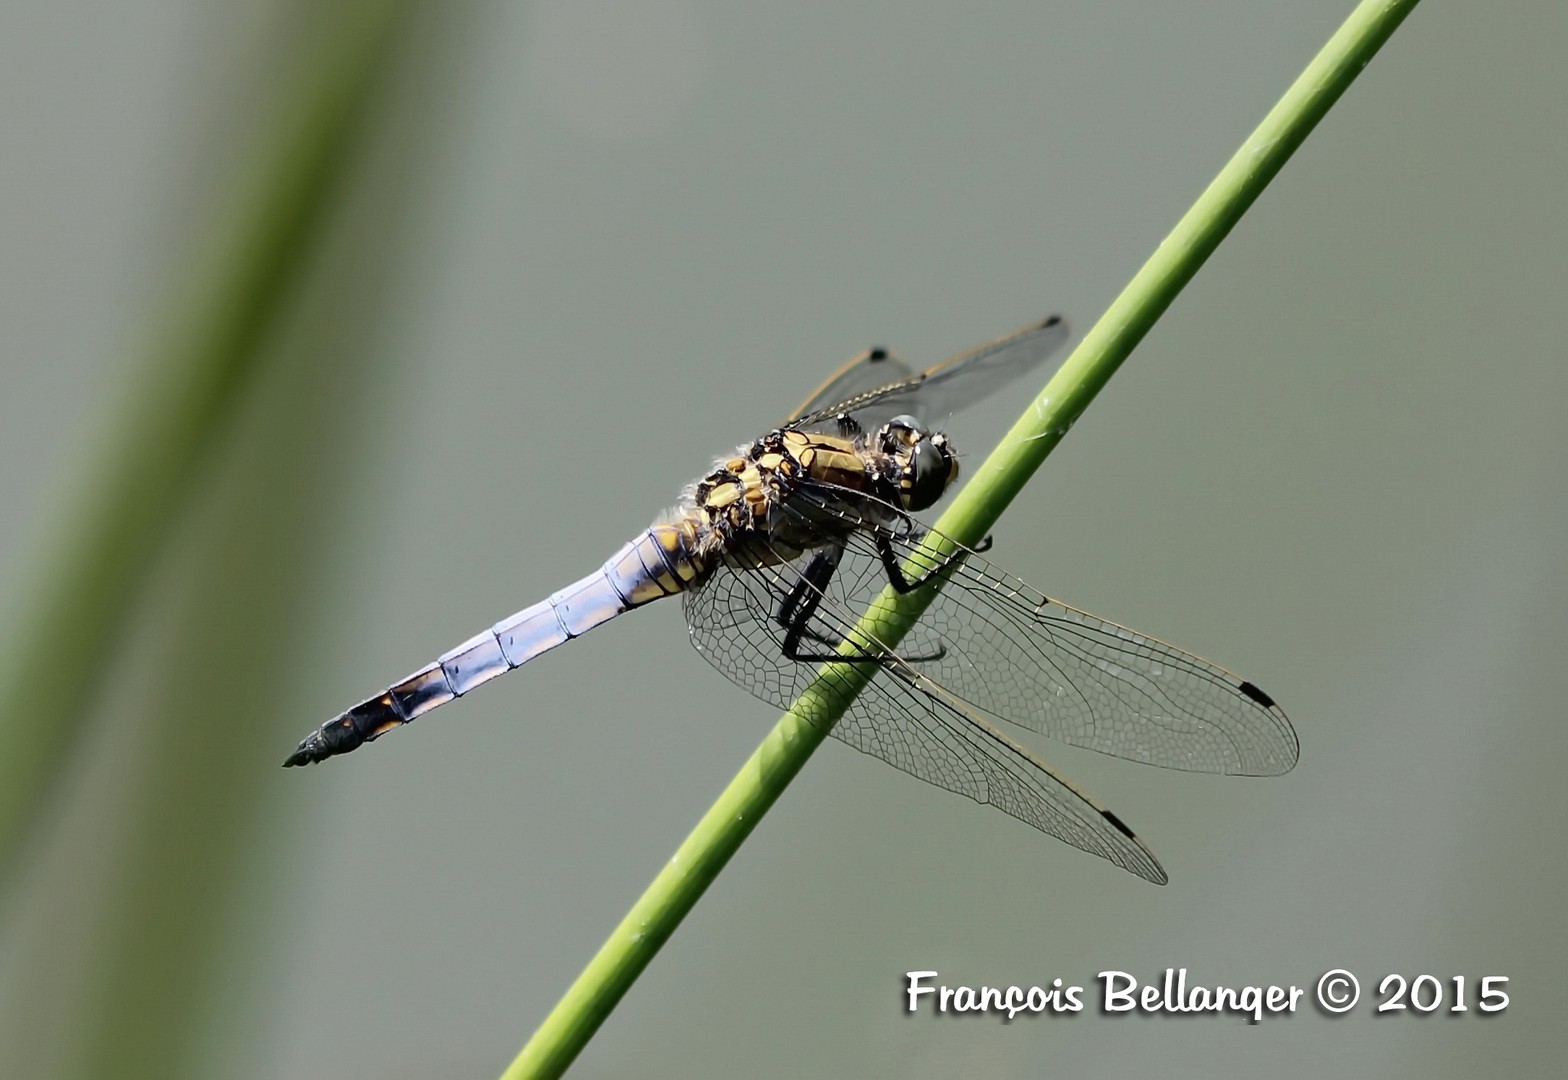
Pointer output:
744, 510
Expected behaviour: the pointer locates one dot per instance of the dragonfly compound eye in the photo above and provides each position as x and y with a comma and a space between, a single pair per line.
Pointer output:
931, 469
900, 433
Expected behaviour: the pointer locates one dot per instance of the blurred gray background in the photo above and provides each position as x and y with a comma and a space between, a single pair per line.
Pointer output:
635, 234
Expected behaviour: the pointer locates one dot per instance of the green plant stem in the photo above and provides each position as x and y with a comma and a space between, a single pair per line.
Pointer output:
784, 752
201, 356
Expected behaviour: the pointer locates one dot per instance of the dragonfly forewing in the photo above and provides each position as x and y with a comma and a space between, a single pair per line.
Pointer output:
936, 393
1007, 649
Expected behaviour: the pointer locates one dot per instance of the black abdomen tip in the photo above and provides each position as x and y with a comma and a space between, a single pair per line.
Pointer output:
366, 721
338, 737
304, 754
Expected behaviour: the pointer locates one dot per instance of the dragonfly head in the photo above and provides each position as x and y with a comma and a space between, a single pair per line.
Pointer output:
926, 462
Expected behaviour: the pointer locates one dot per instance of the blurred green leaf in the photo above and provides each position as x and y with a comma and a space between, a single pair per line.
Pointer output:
203, 353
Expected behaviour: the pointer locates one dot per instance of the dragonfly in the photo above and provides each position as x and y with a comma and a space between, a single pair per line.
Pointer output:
779, 550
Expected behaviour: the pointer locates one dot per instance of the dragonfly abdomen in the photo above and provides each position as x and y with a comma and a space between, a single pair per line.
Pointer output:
661, 562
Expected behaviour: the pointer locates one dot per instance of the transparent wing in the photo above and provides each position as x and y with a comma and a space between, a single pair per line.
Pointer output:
871, 370
899, 716
1006, 649
938, 392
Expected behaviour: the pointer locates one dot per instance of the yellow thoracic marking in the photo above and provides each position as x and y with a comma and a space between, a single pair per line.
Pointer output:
723, 495
827, 460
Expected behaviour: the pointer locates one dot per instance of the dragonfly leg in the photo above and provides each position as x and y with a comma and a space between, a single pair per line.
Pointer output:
895, 573
801, 604
803, 598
